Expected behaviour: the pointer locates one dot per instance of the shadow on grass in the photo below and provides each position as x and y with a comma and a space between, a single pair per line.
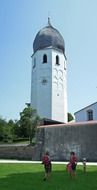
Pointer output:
60, 180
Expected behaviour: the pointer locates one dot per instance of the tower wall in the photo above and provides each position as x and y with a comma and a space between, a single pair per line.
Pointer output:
48, 85
41, 83
59, 89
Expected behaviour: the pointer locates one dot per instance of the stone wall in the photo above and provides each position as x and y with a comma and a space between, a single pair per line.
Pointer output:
20, 152
81, 138
23, 152
59, 140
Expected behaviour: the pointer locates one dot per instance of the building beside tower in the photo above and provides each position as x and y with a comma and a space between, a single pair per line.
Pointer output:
88, 113
48, 77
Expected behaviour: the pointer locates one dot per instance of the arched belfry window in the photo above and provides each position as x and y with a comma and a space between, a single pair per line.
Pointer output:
57, 60
44, 58
90, 115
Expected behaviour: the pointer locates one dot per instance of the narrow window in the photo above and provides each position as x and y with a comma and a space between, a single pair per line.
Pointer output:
57, 60
44, 58
90, 115
34, 65
64, 65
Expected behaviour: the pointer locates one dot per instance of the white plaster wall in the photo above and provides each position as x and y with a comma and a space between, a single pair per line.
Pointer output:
59, 88
41, 94
82, 114
33, 85
50, 100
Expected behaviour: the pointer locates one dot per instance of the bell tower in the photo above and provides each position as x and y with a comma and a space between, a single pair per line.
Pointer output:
48, 77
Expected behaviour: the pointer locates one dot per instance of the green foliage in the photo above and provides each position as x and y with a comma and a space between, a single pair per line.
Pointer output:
24, 128
28, 122
70, 117
7, 130
3, 125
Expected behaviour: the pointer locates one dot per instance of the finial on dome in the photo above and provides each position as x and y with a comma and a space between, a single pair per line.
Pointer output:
49, 23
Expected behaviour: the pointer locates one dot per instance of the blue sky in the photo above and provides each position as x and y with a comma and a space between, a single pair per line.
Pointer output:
20, 20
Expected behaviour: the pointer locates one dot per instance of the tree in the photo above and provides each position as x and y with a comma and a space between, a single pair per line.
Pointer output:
2, 125
28, 122
70, 117
11, 129
17, 132
6, 130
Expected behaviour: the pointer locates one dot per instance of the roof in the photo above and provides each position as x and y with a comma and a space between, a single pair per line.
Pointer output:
48, 36
85, 107
70, 124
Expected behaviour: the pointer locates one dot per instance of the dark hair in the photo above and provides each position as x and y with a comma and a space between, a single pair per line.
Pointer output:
73, 153
47, 153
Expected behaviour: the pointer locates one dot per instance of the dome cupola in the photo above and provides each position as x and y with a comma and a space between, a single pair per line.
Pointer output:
48, 37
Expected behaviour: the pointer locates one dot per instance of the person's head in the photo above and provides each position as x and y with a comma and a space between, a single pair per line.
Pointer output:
72, 153
47, 153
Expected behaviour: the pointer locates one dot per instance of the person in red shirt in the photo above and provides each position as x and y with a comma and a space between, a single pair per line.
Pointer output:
68, 168
73, 161
47, 165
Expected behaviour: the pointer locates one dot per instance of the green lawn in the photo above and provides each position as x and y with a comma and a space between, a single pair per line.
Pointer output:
30, 177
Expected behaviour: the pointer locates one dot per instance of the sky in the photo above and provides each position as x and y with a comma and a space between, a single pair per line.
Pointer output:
20, 20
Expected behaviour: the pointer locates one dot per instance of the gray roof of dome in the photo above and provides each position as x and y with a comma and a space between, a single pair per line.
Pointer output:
48, 36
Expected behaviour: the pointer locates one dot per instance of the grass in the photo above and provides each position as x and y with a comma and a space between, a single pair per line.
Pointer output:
30, 177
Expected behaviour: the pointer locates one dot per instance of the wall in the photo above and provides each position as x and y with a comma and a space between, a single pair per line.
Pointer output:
81, 139
41, 91
59, 140
19, 152
48, 85
59, 88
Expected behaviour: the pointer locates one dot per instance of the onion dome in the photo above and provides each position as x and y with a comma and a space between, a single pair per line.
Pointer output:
48, 37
